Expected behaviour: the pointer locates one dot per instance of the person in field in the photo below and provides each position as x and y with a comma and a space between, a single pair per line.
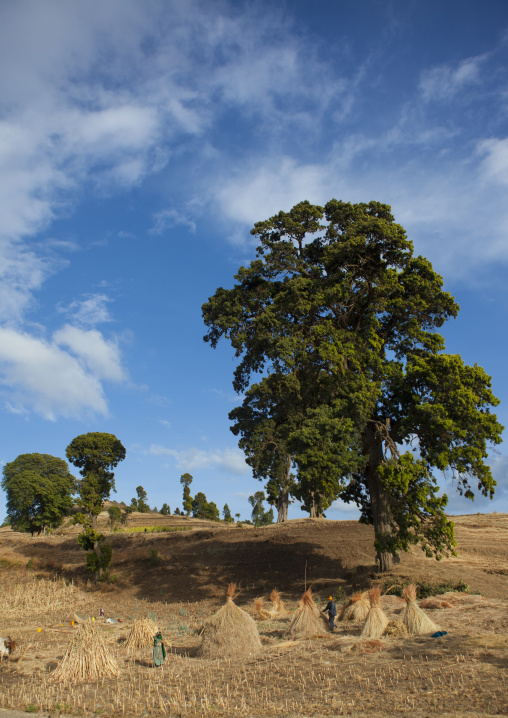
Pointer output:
331, 609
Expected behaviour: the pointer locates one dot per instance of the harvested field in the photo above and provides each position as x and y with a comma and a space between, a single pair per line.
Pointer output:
464, 672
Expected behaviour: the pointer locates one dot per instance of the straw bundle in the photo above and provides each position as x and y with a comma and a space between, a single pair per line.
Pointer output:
86, 657
435, 603
357, 608
230, 632
376, 621
415, 619
277, 602
262, 613
142, 633
396, 629
308, 620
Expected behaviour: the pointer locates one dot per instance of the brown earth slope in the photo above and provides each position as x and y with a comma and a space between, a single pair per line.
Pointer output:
178, 579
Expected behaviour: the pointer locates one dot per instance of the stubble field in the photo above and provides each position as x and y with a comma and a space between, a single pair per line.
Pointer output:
179, 578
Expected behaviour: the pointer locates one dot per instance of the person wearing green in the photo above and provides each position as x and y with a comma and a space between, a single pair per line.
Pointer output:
159, 650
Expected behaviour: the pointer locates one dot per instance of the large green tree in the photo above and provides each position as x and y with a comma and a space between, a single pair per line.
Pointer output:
95, 454
38, 489
337, 303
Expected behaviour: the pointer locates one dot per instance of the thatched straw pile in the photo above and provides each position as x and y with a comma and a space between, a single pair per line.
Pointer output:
262, 613
307, 620
142, 633
357, 608
376, 621
229, 633
416, 621
278, 607
86, 658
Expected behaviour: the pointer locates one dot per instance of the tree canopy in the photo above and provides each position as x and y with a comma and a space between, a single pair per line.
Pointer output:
39, 489
338, 318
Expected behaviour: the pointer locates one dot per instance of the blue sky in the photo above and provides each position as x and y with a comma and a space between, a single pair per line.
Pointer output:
140, 141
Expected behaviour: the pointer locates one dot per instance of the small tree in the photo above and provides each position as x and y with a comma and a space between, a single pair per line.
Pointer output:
165, 510
125, 515
260, 517
186, 480
177, 512
143, 507
226, 513
95, 454
115, 515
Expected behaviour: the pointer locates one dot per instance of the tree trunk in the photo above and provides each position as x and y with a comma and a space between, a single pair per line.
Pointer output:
96, 549
379, 499
283, 498
282, 506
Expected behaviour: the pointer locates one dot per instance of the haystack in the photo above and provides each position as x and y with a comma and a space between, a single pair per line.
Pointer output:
142, 633
229, 633
308, 620
278, 607
376, 621
86, 658
416, 621
396, 629
357, 608
262, 613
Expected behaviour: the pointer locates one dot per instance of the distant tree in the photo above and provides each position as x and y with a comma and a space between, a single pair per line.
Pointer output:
177, 512
202, 509
143, 507
38, 488
259, 516
226, 513
186, 480
126, 514
134, 504
95, 454
115, 515
165, 510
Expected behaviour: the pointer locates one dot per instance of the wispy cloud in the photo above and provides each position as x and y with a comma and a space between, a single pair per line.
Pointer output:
89, 311
444, 82
229, 460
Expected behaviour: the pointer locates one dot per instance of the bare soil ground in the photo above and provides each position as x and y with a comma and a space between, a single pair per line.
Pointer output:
462, 673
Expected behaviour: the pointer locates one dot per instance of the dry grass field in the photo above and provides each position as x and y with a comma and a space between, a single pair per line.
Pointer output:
179, 578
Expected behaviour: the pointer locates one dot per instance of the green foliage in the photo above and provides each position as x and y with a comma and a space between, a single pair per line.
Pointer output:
260, 517
153, 558
202, 509
340, 320
424, 589
95, 454
177, 512
38, 489
165, 510
186, 480
115, 515
125, 515
226, 514
141, 504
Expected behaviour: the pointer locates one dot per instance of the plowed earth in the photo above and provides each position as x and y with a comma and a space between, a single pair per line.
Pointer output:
179, 579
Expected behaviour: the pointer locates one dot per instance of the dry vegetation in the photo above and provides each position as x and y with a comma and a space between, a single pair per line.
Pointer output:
463, 672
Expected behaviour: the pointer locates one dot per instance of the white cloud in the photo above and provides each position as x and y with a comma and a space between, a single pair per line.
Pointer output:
90, 311
38, 375
100, 356
495, 163
192, 459
444, 82
169, 218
